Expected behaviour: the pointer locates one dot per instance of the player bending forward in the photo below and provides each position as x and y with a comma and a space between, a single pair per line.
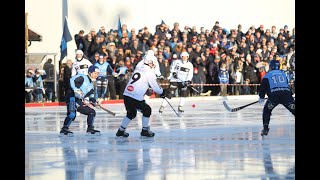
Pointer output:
83, 91
133, 96
276, 86
181, 73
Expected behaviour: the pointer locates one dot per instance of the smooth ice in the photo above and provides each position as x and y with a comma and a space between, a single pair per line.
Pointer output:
208, 142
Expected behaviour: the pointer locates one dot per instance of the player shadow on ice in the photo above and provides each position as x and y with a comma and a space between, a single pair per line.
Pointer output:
268, 164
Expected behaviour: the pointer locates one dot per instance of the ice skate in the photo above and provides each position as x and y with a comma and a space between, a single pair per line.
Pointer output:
92, 131
122, 133
65, 132
161, 110
265, 132
147, 132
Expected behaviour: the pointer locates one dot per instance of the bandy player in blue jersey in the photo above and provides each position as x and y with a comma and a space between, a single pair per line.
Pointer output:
275, 84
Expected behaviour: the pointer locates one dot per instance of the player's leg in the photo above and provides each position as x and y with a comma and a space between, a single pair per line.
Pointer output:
146, 113
266, 114
289, 103
71, 115
183, 96
130, 105
91, 113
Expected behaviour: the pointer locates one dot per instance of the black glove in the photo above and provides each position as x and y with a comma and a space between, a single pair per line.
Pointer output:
93, 101
174, 74
188, 83
149, 92
166, 93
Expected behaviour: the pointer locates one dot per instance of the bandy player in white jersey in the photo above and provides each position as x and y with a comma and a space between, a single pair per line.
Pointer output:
81, 65
142, 78
181, 73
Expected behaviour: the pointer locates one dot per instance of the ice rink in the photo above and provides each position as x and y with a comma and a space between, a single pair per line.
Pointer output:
208, 142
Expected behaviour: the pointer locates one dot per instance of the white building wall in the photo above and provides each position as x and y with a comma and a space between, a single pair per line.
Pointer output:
46, 16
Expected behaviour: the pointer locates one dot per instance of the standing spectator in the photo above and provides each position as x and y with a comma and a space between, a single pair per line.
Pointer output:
122, 77
38, 78
196, 79
48, 67
67, 77
78, 38
28, 83
223, 79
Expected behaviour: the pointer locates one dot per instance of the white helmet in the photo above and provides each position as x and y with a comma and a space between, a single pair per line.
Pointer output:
149, 59
150, 52
184, 54
79, 51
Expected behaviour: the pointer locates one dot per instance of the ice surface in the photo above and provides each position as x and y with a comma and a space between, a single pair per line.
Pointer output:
208, 142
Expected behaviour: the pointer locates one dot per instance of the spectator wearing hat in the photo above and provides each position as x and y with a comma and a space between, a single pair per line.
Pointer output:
112, 49
93, 33
213, 73
102, 31
94, 46
160, 31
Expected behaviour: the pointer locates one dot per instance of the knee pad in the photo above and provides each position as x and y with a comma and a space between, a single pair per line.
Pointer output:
146, 111
132, 115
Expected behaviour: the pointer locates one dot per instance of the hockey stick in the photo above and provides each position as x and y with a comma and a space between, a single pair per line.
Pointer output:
103, 108
172, 107
237, 108
107, 110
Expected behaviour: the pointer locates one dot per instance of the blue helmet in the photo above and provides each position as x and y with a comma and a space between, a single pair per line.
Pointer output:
93, 69
274, 65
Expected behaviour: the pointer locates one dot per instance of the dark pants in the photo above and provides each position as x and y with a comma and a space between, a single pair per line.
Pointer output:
284, 98
111, 88
133, 105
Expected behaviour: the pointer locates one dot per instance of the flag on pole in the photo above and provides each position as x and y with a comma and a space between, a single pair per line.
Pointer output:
66, 37
119, 28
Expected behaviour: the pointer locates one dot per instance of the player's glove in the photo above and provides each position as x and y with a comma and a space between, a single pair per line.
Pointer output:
188, 83
160, 77
261, 100
78, 94
166, 93
93, 101
174, 74
149, 92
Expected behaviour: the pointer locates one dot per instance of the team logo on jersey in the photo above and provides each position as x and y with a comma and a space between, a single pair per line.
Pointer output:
130, 88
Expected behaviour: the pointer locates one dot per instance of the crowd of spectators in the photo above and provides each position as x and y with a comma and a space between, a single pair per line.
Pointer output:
226, 61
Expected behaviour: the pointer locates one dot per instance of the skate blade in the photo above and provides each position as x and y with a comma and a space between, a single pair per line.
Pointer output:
68, 135
95, 134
